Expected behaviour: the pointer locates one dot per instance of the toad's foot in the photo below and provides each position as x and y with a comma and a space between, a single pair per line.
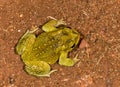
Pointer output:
75, 59
59, 22
33, 29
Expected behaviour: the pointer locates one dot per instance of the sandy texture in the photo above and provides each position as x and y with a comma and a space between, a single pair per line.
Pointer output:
99, 52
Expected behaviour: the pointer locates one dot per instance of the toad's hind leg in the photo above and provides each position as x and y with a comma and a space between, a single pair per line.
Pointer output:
26, 41
38, 68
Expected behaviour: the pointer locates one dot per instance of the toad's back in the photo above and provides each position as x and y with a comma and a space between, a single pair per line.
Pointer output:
45, 46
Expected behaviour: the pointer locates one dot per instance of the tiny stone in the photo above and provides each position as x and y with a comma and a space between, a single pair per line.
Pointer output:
65, 80
19, 30
21, 15
11, 80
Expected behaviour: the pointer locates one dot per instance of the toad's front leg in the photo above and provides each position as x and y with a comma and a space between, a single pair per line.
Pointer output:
65, 61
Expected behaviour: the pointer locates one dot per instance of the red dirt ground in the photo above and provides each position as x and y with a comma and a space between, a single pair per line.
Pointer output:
99, 52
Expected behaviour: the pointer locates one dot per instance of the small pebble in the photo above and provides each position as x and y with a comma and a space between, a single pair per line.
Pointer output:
19, 30
21, 15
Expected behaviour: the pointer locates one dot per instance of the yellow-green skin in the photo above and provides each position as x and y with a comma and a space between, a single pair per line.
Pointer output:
47, 48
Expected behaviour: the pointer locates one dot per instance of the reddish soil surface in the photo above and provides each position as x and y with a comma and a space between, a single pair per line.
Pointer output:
99, 52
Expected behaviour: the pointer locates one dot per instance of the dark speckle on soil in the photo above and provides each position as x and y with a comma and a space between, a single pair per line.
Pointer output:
99, 54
